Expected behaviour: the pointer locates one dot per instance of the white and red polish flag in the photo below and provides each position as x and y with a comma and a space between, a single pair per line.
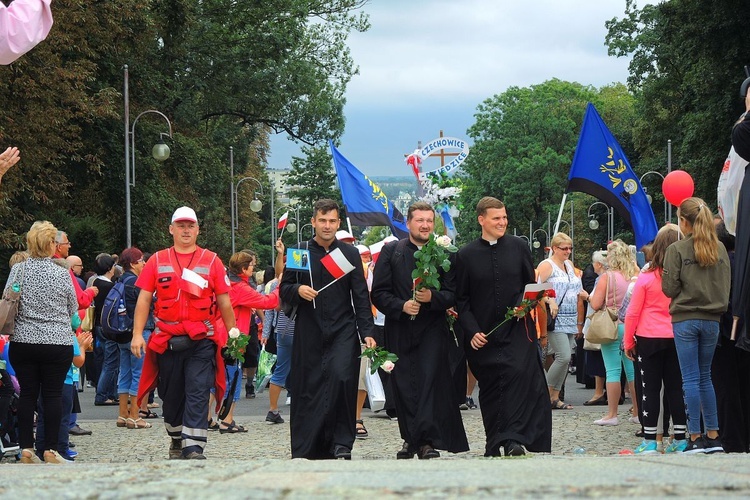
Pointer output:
192, 282
282, 220
336, 264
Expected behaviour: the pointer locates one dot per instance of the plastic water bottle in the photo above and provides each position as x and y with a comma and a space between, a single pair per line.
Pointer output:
121, 315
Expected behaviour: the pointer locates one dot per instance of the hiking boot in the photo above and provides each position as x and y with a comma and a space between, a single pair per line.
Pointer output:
175, 449
274, 418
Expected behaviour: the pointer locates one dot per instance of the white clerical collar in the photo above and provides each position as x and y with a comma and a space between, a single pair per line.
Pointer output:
491, 242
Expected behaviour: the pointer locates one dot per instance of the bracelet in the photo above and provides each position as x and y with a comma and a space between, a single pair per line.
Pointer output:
579, 324
543, 337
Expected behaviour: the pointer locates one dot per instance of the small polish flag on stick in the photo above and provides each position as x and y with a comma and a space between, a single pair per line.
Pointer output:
192, 282
282, 221
336, 264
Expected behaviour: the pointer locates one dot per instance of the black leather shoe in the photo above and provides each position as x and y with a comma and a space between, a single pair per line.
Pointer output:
406, 452
426, 452
342, 452
513, 449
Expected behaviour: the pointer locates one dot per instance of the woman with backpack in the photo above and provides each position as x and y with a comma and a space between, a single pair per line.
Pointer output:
131, 416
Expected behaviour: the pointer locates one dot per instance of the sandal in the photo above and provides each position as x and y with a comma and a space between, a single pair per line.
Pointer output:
137, 423
152, 405
560, 405
122, 422
361, 431
231, 428
213, 425
147, 414
141, 424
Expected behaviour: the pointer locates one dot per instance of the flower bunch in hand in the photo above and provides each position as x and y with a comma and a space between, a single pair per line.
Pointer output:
533, 294
236, 345
379, 358
432, 255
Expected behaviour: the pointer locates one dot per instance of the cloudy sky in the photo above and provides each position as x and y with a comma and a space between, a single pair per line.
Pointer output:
425, 65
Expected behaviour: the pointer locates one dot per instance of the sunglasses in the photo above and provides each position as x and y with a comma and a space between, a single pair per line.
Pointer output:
566, 249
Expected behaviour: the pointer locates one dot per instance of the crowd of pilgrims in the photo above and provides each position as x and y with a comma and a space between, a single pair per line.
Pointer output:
675, 353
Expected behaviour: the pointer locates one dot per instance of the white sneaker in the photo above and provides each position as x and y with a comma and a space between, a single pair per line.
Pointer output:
288, 400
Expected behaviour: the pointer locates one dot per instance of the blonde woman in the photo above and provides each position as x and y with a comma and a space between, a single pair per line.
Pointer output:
559, 271
697, 279
621, 270
42, 348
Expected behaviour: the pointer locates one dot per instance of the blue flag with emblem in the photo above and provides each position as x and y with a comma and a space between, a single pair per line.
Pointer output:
366, 204
601, 169
297, 259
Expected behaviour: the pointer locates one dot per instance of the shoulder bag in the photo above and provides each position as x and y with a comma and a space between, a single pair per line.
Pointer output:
9, 304
603, 326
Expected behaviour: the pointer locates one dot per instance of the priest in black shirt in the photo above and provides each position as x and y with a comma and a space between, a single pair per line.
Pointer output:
325, 355
428, 416
491, 274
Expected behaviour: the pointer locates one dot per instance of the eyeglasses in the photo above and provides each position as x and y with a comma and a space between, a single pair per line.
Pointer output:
140, 261
66, 244
566, 249
77, 265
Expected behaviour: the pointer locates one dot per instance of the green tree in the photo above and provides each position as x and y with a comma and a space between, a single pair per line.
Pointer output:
226, 74
686, 68
312, 178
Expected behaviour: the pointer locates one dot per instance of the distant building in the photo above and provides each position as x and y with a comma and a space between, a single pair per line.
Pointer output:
278, 177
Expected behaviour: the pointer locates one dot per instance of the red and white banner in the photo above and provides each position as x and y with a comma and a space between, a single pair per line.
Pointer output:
282, 220
337, 264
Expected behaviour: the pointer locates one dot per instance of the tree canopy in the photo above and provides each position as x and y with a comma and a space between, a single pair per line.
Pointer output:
225, 73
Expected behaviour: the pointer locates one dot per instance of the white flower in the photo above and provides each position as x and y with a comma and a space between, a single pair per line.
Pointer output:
388, 366
234, 333
443, 241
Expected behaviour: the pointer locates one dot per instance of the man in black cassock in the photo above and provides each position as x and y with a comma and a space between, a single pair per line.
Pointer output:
428, 416
491, 273
325, 356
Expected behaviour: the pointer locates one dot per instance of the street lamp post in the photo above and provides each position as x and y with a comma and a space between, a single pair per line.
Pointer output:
160, 151
594, 224
312, 230
648, 196
536, 243
255, 205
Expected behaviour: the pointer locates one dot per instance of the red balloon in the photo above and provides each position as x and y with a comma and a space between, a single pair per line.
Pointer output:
677, 186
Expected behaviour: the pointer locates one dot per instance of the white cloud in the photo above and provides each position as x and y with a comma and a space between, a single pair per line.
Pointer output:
425, 65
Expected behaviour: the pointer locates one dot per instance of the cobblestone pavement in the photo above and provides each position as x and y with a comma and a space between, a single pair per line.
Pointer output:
117, 462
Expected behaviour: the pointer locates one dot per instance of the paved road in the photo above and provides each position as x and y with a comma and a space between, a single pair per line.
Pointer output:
116, 462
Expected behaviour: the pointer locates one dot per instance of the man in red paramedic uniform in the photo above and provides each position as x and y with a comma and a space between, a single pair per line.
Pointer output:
183, 356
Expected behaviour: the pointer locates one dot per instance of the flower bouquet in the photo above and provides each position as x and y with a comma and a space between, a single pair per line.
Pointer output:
379, 358
532, 295
236, 345
432, 255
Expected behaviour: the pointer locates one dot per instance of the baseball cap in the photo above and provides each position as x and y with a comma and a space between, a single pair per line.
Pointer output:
363, 249
344, 236
184, 213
